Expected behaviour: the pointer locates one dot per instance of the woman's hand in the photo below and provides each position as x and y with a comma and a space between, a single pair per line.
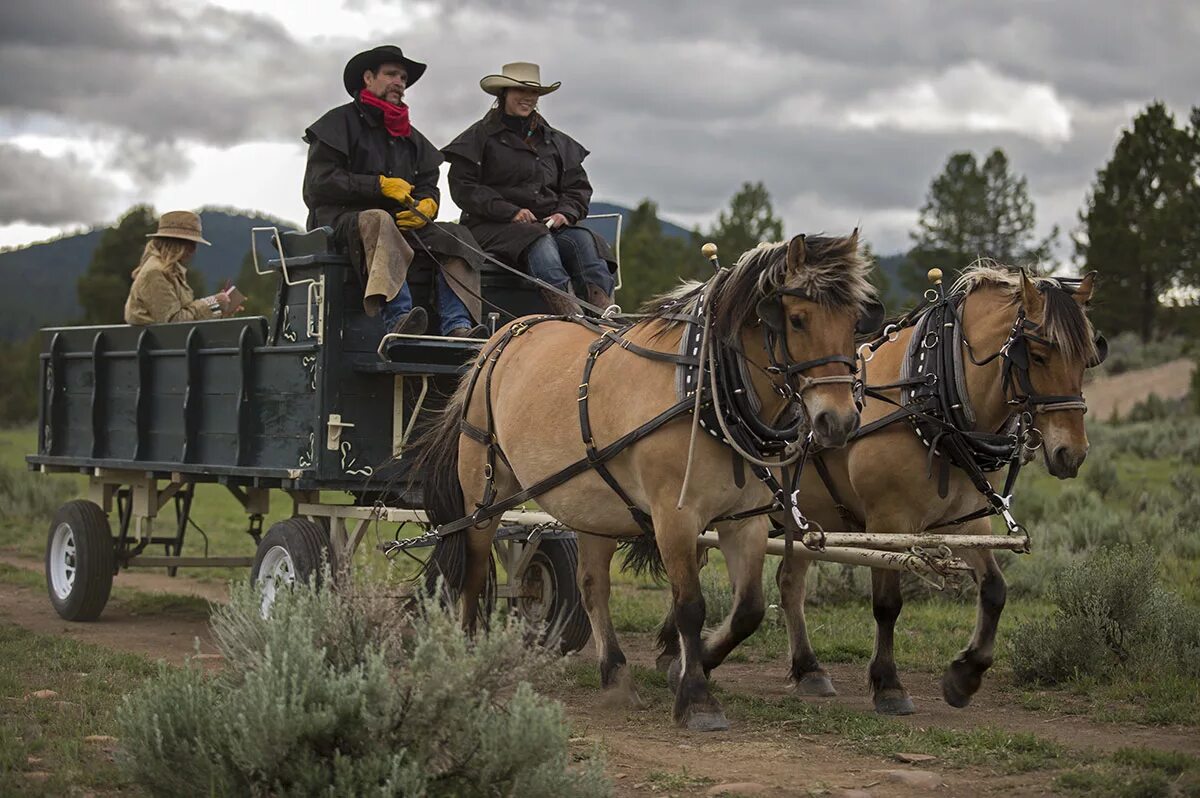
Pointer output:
524, 215
556, 220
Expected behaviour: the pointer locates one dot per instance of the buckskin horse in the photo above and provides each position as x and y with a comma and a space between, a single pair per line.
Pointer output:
976, 380
597, 422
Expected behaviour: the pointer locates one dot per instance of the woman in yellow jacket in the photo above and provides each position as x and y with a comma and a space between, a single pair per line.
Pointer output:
160, 292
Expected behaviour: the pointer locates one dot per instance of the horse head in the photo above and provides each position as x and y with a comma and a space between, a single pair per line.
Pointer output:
1060, 348
1047, 345
794, 308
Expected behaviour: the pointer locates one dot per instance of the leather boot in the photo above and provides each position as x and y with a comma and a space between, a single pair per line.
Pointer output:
597, 297
560, 305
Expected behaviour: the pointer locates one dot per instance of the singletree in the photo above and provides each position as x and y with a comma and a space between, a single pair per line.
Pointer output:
1140, 223
975, 211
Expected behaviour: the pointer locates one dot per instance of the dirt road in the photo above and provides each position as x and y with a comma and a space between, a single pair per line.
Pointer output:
647, 755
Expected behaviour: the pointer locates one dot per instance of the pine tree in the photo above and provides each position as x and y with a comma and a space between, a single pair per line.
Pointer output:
259, 289
974, 211
104, 287
653, 262
750, 221
1140, 221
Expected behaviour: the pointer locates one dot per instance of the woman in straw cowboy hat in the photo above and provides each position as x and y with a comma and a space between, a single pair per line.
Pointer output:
160, 292
523, 190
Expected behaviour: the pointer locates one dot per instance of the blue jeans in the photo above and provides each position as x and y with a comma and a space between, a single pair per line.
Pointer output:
566, 256
451, 309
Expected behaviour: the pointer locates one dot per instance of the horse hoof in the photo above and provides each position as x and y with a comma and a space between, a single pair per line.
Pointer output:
953, 692
706, 720
894, 702
673, 674
816, 685
622, 693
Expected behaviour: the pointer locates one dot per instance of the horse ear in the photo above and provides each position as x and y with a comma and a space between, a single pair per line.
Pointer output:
796, 253
1084, 292
1031, 297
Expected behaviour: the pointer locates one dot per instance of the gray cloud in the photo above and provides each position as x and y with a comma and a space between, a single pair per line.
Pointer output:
680, 102
37, 189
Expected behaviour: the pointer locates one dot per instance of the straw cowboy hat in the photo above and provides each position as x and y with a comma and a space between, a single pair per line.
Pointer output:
179, 224
517, 75
372, 59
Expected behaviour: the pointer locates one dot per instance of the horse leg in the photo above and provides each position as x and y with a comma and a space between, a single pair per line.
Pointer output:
668, 642
964, 675
475, 570
806, 674
745, 547
888, 693
676, 533
595, 557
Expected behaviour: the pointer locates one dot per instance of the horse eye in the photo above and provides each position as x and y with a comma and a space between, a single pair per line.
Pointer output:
1038, 358
797, 322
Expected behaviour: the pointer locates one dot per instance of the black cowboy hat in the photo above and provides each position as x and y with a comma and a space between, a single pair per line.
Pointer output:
372, 59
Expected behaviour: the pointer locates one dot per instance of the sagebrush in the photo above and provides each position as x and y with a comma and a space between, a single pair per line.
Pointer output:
346, 693
1112, 617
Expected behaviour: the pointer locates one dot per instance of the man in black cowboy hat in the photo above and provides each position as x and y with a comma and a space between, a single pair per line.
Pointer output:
372, 177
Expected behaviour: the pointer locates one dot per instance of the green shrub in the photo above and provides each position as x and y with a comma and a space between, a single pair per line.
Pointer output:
346, 693
27, 496
1100, 475
1112, 616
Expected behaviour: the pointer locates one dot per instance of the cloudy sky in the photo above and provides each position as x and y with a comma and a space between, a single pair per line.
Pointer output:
845, 110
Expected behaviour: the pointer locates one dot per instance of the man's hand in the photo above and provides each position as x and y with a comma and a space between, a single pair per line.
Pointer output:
524, 215
556, 220
396, 188
407, 220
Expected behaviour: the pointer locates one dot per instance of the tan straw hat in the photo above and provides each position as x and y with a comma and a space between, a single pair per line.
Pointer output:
179, 224
517, 75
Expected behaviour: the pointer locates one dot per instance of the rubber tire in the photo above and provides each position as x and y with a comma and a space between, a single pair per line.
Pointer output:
306, 542
95, 561
566, 615
448, 560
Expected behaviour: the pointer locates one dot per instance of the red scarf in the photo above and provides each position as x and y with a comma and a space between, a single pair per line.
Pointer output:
395, 117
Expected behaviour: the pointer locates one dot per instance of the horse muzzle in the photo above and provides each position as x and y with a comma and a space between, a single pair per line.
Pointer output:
832, 428
1064, 461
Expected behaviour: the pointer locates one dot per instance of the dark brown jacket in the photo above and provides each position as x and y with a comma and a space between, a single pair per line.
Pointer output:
348, 149
494, 173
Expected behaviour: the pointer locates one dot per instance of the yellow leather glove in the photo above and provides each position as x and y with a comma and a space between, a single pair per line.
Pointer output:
407, 220
396, 188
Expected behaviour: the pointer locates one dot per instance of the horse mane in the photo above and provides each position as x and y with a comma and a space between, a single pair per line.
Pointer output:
834, 274
1064, 322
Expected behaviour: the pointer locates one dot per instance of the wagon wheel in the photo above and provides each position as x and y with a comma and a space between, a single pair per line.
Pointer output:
549, 596
80, 561
293, 551
447, 560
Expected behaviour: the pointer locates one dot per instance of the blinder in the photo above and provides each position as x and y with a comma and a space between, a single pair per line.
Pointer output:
1101, 351
872, 317
770, 312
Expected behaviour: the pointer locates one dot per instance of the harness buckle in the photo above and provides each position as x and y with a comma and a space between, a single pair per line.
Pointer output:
518, 327
583, 392
487, 471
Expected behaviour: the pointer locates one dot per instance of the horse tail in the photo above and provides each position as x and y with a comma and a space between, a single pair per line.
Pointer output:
643, 557
436, 459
